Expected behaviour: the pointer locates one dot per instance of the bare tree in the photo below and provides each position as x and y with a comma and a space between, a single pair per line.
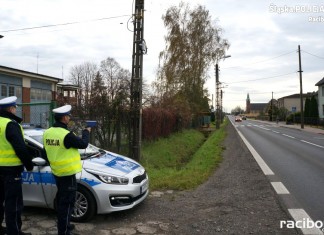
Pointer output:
116, 80
104, 96
82, 76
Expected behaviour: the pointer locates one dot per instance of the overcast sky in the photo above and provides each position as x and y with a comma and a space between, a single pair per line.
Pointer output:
264, 37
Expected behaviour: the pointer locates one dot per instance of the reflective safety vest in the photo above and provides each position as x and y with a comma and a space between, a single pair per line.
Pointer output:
8, 155
63, 161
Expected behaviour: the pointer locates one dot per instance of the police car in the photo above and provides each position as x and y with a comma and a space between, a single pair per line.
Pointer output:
108, 182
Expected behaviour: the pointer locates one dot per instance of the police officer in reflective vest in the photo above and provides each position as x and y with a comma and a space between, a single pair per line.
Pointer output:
61, 148
13, 157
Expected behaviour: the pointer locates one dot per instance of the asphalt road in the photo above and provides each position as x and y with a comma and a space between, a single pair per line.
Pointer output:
296, 159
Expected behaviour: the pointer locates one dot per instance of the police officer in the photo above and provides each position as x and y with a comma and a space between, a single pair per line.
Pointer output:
61, 148
13, 157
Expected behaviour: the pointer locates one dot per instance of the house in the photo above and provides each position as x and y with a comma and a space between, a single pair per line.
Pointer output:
254, 109
36, 90
67, 94
292, 102
320, 100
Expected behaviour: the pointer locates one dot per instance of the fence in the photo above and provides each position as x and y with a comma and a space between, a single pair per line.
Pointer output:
37, 114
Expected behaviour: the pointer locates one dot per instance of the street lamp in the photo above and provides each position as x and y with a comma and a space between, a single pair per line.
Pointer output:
217, 111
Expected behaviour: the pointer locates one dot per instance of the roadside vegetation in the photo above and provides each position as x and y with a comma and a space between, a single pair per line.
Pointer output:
184, 160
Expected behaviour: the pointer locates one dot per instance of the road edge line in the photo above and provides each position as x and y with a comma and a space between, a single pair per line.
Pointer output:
264, 167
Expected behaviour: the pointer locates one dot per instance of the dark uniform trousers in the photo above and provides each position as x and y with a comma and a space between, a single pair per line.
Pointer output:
11, 192
66, 194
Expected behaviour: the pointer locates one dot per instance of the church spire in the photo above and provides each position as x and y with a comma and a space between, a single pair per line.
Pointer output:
248, 104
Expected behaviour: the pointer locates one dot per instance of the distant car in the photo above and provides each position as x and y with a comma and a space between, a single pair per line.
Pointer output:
238, 119
243, 117
108, 182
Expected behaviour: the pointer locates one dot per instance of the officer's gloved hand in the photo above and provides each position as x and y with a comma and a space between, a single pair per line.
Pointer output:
29, 166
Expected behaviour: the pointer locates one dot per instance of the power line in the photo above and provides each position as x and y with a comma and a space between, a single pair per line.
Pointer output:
260, 93
62, 24
261, 61
313, 55
281, 75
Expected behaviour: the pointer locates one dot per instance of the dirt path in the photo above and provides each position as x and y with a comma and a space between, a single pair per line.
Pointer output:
237, 199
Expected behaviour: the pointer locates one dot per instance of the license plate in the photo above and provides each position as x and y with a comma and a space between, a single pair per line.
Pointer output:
144, 187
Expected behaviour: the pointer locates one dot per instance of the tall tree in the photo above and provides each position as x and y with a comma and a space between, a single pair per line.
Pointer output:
307, 112
117, 82
314, 107
193, 42
98, 109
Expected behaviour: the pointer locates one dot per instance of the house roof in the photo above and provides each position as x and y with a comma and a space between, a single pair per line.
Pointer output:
68, 86
295, 96
9, 70
258, 106
320, 83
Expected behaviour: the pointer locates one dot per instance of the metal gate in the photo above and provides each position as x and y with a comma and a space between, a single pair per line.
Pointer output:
37, 114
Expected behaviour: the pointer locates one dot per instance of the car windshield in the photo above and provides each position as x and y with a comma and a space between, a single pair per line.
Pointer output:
90, 151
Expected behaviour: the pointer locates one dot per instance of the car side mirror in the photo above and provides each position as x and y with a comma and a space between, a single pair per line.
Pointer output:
38, 161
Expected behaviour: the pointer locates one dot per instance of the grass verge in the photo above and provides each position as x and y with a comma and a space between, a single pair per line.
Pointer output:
184, 160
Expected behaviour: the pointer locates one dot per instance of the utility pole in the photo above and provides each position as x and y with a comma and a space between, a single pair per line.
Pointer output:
301, 91
217, 111
139, 48
217, 98
221, 106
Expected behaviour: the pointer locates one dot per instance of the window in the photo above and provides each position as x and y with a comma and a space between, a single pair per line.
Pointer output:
48, 95
18, 92
11, 90
323, 109
66, 93
323, 91
72, 93
40, 95
4, 90
32, 94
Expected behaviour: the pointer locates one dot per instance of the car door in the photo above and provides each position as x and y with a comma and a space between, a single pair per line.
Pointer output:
38, 186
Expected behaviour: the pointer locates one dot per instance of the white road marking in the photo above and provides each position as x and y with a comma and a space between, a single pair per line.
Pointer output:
301, 215
264, 167
304, 141
289, 136
263, 128
277, 132
280, 188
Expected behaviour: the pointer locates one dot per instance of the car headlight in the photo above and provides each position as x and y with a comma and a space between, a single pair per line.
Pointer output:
109, 179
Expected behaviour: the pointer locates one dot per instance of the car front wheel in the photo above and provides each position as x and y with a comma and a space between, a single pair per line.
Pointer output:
85, 205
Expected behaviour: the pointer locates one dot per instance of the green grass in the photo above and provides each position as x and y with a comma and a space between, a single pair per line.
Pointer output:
184, 160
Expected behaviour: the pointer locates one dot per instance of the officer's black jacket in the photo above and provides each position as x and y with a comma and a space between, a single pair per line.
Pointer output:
73, 141
15, 138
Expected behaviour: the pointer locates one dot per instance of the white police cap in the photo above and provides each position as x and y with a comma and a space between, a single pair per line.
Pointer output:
7, 102
63, 110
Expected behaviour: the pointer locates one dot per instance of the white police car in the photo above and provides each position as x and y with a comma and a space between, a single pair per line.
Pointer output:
108, 182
